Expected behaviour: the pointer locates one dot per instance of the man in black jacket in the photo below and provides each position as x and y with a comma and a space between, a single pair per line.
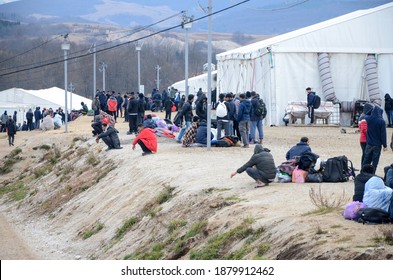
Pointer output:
109, 136
360, 181
186, 112
132, 111
260, 167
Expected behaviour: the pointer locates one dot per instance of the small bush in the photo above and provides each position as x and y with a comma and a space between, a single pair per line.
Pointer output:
120, 232
16, 191
45, 147
327, 203
92, 160
95, 229
176, 224
165, 195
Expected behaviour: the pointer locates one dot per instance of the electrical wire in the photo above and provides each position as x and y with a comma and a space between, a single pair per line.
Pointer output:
125, 43
139, 29
25, 52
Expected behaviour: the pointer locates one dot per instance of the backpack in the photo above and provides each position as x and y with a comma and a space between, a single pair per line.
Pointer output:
373, 215
317, 101
221, 110
232, 139
351, 211
260, 110
336, 169
223, 143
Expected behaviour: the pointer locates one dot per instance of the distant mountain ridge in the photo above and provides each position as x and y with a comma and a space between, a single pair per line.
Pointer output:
253, 17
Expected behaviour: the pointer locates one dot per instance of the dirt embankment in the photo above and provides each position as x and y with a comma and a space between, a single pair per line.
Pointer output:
69, 199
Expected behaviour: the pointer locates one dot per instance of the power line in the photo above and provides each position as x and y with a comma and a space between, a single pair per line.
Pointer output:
139, 29
25, 52
125, 43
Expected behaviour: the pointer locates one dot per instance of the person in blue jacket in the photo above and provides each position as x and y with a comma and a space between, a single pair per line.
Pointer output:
299, 149
310, 104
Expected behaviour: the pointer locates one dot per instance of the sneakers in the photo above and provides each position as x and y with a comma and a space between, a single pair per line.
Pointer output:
107, 149
246, 146
146, 153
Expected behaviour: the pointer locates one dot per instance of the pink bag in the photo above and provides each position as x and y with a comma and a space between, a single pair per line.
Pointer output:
299, 175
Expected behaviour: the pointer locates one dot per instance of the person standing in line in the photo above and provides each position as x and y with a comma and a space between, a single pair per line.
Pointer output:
368, 107
3, 120
231, 113
120, 101
310, 104
29, 118
95, 105
376, 137
389, 109
223, 119
132, 110
256, 120
141, 108
15, 117
186, 112
243, 117
11, 130
260, 167
168, 108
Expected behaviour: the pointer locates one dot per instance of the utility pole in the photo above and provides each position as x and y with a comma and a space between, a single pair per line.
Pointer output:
71, 88
158, 68
102, 69
94, 71
186, 25
65, 47
209, 76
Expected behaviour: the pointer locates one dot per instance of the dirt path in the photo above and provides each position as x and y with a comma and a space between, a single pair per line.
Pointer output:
12, 245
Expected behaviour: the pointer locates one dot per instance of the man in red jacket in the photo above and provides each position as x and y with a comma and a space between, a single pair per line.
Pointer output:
146, 139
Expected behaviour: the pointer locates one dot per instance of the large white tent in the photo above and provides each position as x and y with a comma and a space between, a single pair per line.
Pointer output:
195, 83
21, 100
330, 57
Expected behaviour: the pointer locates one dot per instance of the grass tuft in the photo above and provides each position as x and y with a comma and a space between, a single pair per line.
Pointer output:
93, 230
120, 232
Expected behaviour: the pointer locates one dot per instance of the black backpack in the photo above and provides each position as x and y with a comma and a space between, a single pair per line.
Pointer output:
260, 110
336, 169
370, 215
317, 101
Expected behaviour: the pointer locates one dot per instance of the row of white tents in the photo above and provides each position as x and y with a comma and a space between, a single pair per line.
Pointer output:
21, 100
343, 59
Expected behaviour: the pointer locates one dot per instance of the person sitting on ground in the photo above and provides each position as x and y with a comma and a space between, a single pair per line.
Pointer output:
189, 136
146, 139
24, 126
365, 174
97, 125
299, 149
149, 122
376, 194
389, 176
109, 136
201, 135
260, 167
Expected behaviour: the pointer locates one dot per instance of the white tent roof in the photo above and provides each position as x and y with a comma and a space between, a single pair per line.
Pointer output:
344, 34
50, 98
195, 83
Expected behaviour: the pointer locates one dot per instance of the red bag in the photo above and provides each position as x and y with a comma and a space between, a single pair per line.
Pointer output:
173, 108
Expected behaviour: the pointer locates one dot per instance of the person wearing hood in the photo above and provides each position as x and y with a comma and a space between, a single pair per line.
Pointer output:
389, 109
367, 109
29, 118
376, 137
37, 118
11, 130
260, 167
201, 135
201, 108
376, 194
3, 120
244, 117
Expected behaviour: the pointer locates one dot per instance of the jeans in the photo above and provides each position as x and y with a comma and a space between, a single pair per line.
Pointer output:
363, 146
389, 114
183, 130
220, 125
371, 155
254, 126
311, 114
